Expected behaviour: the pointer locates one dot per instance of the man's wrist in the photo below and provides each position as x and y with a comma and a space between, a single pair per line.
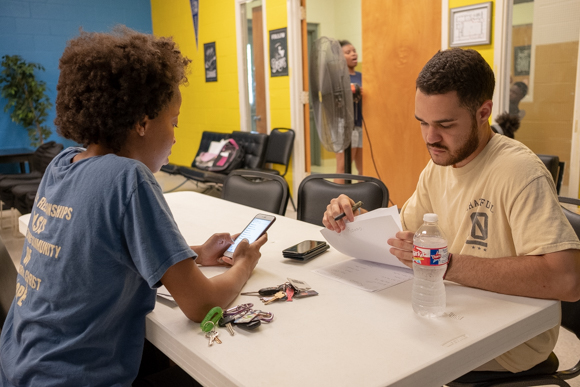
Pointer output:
449, 259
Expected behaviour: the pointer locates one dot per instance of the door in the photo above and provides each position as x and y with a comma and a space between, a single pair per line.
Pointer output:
252, 81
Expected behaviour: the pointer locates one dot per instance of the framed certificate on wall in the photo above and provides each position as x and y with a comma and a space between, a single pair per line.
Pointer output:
470, 25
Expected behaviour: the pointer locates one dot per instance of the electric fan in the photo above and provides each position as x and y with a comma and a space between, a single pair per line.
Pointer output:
331, 96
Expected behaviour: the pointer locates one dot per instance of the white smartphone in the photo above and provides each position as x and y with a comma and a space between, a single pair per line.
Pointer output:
257, 227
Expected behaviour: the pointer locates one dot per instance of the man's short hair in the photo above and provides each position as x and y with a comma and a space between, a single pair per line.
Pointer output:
462, 71
110, 82
344, 43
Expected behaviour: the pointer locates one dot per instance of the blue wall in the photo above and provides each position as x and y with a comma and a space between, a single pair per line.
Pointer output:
38, 30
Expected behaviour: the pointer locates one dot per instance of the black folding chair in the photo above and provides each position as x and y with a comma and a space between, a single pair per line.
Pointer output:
42, 156
264, 191
556, 168
315, 193
279, 150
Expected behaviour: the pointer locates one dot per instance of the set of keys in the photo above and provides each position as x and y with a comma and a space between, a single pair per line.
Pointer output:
242, 316
285, 292
208, 325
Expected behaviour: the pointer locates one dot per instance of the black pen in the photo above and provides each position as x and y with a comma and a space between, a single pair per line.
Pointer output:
356, 206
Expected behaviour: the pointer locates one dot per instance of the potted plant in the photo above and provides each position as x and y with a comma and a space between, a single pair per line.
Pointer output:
27, 96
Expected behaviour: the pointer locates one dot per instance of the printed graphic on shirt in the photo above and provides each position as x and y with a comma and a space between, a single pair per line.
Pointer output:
479, 229
54, 210
480, 203
40, 218
30, 280
43, 247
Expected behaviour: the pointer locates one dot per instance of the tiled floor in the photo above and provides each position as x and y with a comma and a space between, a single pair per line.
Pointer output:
567, 348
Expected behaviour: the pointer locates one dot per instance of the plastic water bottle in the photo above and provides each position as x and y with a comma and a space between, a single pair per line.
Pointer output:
429, 265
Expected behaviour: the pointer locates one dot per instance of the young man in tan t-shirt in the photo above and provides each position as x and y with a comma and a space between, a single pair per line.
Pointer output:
494, 196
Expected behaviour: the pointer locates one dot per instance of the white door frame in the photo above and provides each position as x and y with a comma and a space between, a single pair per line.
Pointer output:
241, 43
501, 58
296, 91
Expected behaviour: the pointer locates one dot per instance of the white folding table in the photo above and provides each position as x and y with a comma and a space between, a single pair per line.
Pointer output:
344, 336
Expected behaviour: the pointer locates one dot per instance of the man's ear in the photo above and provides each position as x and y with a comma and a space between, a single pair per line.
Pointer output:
484, 111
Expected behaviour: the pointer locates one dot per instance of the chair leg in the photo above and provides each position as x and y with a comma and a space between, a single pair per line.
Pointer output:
13, 219
2, 215
16, 223
292, 200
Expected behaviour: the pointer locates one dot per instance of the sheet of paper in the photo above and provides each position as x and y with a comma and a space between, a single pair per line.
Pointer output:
365, 275
216, 146
391, 211
366, 239
164, 293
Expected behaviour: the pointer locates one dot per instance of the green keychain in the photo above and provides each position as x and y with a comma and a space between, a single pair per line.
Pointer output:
211, 319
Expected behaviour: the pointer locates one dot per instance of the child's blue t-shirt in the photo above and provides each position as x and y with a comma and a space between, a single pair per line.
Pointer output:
100, 238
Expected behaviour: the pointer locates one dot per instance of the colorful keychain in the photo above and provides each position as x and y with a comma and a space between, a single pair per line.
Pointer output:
211, 319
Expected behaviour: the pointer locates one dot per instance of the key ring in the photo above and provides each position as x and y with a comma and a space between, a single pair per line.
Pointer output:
265, 317
239, 309
211, 319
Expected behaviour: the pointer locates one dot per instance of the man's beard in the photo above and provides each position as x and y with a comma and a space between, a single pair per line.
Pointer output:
468, 147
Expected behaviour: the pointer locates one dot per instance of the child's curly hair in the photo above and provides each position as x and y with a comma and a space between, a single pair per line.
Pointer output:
509, 123
110, 82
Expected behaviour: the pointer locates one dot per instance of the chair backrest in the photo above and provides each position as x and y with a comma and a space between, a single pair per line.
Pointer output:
7, 282
315, 193
552, 163
206, 139
573, 217
280, 146
43, 155
561, 166
254, 145
571, 310
260, 190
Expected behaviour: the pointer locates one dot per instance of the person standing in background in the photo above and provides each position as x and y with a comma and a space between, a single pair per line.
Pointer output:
517, 92
356, 85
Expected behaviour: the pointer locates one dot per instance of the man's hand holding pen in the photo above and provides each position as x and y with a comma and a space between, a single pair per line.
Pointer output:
338, 211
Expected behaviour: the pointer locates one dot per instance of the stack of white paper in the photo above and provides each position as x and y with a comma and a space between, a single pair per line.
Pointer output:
373, 267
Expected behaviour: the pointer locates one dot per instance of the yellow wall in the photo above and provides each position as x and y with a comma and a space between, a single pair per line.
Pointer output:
212, 106
276, 17
486, 50
215, 106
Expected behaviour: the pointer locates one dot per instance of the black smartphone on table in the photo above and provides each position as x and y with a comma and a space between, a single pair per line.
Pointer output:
305, 250
257, 227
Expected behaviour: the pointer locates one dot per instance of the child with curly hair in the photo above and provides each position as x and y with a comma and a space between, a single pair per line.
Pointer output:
102, 237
